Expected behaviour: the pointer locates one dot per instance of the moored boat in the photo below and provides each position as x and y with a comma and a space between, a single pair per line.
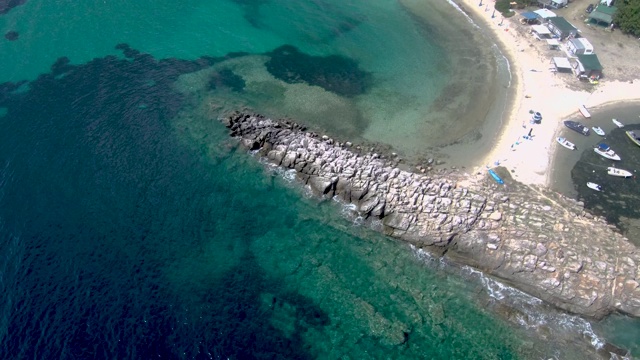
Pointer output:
618, 123
619, 172
594, 186
583, 110
632, 135
566, 143
598, 130
576, 126
605, 151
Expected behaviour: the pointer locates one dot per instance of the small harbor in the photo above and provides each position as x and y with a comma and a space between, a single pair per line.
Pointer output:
618, 196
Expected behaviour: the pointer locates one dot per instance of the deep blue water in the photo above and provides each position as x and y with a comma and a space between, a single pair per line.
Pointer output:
131, 227
120, 240
97, 196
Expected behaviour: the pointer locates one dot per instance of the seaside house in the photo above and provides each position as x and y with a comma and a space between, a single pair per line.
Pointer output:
540, 32
554, 44
562, 64
558, 4
602, 15
587, 66
561, 28
543, 3
579, 46
544, 14
529, 18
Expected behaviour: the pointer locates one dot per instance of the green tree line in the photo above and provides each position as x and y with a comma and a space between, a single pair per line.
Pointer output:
627, 18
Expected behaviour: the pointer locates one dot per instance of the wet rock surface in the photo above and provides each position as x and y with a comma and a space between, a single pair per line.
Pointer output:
534, 239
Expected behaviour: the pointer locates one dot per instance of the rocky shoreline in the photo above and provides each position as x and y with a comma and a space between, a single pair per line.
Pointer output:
536, 240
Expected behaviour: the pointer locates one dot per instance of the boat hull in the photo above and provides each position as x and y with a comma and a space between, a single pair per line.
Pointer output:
598, 130
608, 155
632, 135
496, 177
577, 127
583, 110
619, 172
566, 143
594, 186
617, 123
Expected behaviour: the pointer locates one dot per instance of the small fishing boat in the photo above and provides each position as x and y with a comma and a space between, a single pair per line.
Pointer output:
566, 143
598, 130
632, 135
594, 186
496, 177
583, 110
618, 123
576, 126
604, 150
619, 172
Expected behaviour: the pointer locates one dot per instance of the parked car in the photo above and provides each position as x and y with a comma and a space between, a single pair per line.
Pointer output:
590, 8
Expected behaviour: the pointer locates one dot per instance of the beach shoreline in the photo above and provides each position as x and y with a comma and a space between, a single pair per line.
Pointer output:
536, 88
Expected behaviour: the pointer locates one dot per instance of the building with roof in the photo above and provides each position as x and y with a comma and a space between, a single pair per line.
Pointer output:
560, 27
588, 66
544, 14
602, 15
562, 64
543, 3
558, 4
540, 32
529, 18
579, 46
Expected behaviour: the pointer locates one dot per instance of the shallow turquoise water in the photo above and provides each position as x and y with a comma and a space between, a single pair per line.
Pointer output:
132, 227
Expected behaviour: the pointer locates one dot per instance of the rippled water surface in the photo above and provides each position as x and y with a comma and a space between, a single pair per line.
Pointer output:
131, 227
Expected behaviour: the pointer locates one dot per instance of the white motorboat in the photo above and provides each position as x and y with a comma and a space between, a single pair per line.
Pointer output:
594, 186
566, 143
618, 123
604, 150
598, 130
583, 110
619, 172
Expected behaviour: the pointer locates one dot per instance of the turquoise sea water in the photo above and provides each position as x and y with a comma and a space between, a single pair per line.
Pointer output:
133, 228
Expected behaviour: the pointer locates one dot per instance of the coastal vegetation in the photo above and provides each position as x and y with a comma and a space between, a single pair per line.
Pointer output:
627, 18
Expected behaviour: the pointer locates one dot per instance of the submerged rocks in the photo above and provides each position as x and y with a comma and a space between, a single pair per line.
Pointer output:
536, 240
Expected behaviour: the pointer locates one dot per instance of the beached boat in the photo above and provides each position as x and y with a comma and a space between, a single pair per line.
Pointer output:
632, 135
598, 130
594, 186
576, 126
496, 177
619, 172
566, 143
583, 110
618, 123
604, 150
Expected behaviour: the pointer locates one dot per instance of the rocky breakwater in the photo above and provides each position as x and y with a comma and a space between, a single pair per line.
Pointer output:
531, 238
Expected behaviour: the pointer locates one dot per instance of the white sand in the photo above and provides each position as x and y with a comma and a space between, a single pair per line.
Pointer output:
542, 91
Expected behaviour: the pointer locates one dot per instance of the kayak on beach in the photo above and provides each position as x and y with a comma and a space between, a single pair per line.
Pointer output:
496, 177
583, 110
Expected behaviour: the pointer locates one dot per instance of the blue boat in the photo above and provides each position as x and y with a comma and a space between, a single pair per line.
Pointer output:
496, 177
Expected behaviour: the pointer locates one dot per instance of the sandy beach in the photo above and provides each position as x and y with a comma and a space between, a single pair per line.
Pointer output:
537, 88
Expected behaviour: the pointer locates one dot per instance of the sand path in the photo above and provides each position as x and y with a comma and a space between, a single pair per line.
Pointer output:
537, 88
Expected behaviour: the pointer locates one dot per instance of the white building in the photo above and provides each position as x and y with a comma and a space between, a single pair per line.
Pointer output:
545, 14
579, 46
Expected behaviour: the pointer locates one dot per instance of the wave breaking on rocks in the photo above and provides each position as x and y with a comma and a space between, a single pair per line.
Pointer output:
535, 240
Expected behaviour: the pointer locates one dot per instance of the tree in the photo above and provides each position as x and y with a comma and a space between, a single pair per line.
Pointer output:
627, 18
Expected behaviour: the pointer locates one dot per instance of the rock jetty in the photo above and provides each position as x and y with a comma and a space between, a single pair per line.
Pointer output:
535, 240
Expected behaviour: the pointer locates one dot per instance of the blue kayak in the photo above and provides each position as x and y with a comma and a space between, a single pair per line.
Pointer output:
496, 177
